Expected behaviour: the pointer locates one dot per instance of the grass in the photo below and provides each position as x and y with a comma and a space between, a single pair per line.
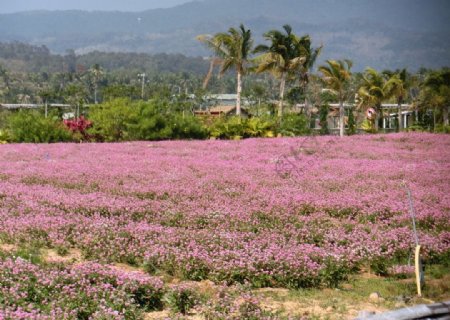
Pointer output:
352, 297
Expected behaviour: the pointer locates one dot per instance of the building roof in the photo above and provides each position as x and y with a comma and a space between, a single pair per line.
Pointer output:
218, 110
14, 106
226, 96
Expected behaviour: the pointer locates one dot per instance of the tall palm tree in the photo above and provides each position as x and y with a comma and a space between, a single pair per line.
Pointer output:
233, 49
337, 76
97, 71
310, 55
283, 57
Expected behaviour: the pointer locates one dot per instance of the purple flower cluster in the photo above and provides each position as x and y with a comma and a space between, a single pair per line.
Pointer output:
81, 291
220, 210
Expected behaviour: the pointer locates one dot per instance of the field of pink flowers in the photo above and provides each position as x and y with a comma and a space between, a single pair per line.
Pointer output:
289, 212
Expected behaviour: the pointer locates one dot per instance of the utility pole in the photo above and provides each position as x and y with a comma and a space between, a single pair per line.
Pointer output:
142, 75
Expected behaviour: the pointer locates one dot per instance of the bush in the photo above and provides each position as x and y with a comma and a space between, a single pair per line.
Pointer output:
31, 126
237, 127
110, 119
79, 127
181, 298
292, 125
227, 128
123, 120
4, 136
187, 127
442, 129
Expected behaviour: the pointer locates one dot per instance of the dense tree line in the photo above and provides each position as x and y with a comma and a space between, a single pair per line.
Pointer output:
274, 77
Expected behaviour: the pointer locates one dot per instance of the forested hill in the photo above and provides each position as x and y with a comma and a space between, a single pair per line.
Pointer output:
382, 34
21, 57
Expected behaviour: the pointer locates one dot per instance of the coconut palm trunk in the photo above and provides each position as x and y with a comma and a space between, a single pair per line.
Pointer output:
95, 94
377, 118
239, 91
400, 118
341, 118
445, 116
282, 89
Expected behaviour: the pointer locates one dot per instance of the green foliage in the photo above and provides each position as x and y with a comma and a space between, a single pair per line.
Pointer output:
4, 136
380, 266
186, 127
294, 125
227, 128
123, 120
351, 123
32, 126
181, 299
110, 119
236, 128
333, 273
323, 112
439, 128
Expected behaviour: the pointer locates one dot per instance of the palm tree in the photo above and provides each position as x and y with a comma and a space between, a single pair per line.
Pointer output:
283, 57
233, 49
310, 55
97, 73
337, 76
396, 86
373, 91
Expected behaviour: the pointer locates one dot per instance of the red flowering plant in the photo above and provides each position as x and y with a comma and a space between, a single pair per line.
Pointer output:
79, 127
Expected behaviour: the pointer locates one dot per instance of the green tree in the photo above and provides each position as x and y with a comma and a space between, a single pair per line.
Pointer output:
337, 76
234, 49
436, 92
32, 127
283, 58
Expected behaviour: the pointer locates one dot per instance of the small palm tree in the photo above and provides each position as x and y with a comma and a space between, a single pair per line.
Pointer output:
375, 89
283, 57
233, 49
337, 76
396, 86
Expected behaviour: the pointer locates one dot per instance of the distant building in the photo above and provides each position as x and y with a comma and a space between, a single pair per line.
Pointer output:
387, 122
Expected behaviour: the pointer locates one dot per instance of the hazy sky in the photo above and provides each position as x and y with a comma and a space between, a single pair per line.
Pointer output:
8, 6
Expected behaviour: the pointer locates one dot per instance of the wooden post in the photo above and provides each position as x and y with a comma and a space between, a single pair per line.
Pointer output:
418, 270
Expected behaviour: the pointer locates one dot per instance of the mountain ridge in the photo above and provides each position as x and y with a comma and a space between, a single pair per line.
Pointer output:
383, 34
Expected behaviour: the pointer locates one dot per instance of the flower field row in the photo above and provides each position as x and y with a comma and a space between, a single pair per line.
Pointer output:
278, 212
81, 292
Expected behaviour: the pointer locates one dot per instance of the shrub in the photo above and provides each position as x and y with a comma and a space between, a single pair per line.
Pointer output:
4, 136
227, 128
32, 126
79, 127
236, 127
110, 119
181, 298
122, 120
333, 273
292, 125
187, 127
